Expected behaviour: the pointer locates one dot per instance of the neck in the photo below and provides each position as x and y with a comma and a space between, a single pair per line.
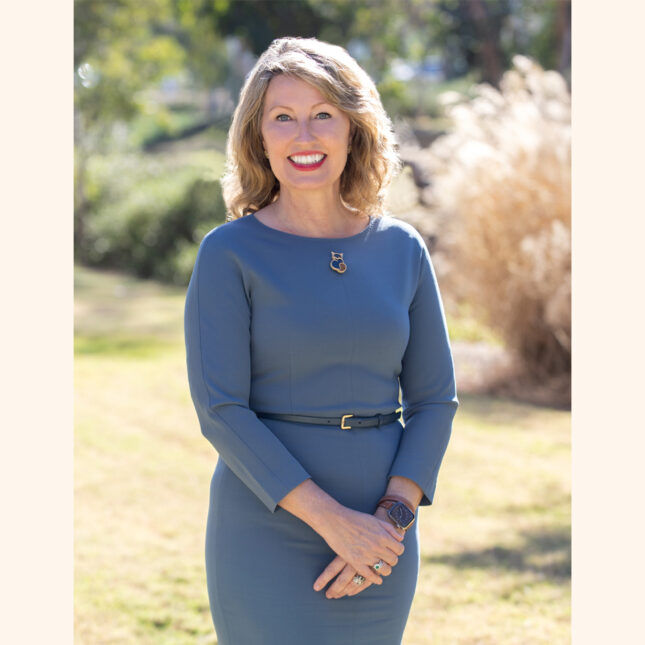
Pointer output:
315, 214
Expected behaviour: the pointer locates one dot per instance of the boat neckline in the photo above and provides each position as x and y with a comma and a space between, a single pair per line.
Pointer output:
308, 237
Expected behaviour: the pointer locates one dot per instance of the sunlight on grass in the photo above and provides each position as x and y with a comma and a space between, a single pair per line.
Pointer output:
496, 543
464, 326
495, 561
109, 303
123, 346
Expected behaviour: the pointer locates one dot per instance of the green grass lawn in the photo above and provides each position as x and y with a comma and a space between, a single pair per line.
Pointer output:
496, 550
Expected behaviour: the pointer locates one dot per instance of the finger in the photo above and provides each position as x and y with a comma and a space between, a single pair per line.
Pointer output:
331, 570
393, 531
385, 569
344, 578
397, 548
369, 574
390, 558
396, 545
352, 590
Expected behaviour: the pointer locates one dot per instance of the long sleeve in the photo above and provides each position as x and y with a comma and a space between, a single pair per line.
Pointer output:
428, 388
217, 324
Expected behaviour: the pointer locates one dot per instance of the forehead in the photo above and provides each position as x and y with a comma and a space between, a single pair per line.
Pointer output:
287, 90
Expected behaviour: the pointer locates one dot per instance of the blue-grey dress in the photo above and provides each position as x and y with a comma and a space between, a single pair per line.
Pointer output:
270, 327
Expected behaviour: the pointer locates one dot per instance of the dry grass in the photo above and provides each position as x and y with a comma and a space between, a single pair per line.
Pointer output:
502, 180
495, 557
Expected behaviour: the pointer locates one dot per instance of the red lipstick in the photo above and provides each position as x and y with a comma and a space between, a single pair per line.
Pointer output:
306, 167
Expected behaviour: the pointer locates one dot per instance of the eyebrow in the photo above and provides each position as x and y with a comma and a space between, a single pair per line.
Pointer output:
286, 107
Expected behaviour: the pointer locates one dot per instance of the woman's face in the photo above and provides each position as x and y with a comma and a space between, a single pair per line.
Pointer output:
305, 137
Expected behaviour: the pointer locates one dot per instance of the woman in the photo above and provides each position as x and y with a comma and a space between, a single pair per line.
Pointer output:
304, 314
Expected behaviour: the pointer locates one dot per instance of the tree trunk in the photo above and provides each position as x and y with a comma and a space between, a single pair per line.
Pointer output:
80, 198
489, 53
563, 37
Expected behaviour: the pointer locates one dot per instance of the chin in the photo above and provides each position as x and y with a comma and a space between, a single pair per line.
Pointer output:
309, 183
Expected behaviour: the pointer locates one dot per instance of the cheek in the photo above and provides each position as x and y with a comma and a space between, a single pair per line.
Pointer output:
334, 131
274, 136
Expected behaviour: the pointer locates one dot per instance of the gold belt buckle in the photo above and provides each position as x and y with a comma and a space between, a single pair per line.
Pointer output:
342, 422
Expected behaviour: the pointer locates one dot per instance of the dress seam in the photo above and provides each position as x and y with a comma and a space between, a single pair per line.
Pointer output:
290, 374
213, 410
225, 636
275, 475
353, 349
416, 287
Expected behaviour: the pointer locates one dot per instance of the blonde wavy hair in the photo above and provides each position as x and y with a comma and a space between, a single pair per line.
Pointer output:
249, 183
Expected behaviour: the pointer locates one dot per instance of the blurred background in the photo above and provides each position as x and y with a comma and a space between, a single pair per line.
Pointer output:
479, 94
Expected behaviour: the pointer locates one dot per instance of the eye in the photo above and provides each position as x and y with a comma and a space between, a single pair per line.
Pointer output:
323, 115
279, 117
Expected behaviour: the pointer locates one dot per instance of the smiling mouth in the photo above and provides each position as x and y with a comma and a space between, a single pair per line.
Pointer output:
307, 162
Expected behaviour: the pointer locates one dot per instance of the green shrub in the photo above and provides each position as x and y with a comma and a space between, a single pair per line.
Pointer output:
396, 97
161, 124
419, 97
147, 217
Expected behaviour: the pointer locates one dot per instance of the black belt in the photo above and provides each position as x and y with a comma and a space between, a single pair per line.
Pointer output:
346, 422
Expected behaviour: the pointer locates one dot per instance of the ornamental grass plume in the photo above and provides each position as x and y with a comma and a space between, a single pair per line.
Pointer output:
502, 179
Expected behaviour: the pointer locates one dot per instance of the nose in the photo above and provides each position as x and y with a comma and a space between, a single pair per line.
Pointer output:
304, 132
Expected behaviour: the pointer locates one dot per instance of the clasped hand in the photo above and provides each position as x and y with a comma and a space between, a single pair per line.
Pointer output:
360, 540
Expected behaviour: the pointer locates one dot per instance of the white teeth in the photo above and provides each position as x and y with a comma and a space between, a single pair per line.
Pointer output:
307, 160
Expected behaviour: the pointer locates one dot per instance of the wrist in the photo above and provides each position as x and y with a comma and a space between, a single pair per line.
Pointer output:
405, 488
311, 504
397, 498
327, 516
398, 511
381, 514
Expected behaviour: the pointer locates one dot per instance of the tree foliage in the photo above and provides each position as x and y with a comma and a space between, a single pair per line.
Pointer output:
120, 48
124, 46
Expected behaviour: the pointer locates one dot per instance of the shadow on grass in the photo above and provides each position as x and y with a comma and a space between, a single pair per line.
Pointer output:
546, 553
